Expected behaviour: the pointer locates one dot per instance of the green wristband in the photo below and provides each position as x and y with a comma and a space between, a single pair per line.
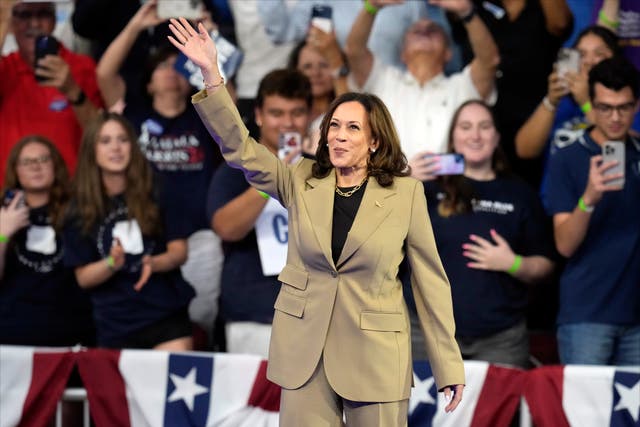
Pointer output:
264, 195
3, 238
111, 263
517, 262
583, 206
586, 107
607, 21
371, 9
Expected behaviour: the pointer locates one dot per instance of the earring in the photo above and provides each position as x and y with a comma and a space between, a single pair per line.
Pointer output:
373, 150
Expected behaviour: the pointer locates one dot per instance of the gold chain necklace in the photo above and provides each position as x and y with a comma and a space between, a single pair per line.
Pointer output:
353, 190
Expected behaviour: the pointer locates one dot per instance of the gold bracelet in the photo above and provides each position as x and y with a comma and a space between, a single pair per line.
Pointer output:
209, 86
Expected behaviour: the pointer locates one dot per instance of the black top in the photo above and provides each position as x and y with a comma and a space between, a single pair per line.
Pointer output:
246, 294
344, 212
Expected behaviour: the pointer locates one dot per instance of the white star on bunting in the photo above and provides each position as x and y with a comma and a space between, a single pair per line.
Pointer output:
629, 399
186, 388
420, 393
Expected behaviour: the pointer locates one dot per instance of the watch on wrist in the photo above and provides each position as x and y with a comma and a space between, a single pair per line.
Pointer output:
469, 16
342, 71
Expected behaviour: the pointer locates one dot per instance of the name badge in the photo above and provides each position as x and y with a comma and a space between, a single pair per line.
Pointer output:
130, 236
272, 232
41, 239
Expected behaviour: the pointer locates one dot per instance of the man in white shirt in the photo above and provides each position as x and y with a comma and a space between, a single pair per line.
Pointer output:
422, 99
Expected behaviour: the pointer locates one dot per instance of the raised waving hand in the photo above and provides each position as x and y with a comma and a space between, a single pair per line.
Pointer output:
198, 47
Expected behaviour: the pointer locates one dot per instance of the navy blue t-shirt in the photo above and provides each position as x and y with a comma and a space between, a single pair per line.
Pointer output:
486, 302
40, 302
247, 294
601, 281
119, 310
184, 157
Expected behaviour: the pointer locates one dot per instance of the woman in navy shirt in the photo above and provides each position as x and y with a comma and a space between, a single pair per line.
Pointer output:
126, 244
40, 302
493, 239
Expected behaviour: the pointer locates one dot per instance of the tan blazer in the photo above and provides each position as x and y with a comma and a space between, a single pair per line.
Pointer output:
352, 314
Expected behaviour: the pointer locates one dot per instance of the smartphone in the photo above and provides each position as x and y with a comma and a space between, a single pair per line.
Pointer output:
8, 197
615, 150
288, 142
321, 17
568, 60
188, 9
450, 164
45, 45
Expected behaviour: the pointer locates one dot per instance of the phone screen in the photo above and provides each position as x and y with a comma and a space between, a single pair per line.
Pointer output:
568, 60
188, 9
288, 142
450, 164
45, 45
614, 150
321, 18
8, 197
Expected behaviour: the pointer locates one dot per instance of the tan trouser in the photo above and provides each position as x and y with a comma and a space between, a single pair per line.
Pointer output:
315, 404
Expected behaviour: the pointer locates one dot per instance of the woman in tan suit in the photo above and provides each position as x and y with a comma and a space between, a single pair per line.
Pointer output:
340, 341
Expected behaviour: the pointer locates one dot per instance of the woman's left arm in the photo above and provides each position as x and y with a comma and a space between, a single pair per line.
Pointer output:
432, 294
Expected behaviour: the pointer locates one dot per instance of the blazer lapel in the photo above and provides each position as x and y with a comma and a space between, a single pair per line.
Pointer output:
318, 201
373, 209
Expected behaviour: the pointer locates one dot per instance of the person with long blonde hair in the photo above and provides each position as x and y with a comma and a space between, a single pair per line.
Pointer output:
125, 244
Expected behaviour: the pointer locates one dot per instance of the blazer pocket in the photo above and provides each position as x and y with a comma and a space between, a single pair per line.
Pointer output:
290, 304
382, 321
294, 276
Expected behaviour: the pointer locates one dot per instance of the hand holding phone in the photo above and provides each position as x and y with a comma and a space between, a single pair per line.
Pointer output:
614, 151
45, 45
449, 164
568, 61
14, 213
321, 17
11, 194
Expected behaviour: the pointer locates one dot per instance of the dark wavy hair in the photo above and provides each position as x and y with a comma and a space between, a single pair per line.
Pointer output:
90, 196
607, 36
458, 191
388, 160
59, 191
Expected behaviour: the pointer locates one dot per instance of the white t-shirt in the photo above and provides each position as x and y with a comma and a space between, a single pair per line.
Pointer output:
422, 115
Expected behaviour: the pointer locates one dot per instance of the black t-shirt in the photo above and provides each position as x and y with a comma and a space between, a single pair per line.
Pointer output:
344, 212
40, 302
486, 302
120, 310
183, 155
246, 293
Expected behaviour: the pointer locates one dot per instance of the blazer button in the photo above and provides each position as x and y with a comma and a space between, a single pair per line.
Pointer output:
334, 274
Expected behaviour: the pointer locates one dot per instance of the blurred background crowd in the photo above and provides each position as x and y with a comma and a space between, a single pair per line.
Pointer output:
121, 226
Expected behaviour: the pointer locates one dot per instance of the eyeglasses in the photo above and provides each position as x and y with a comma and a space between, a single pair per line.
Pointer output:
607, 109
25, 15
29, 161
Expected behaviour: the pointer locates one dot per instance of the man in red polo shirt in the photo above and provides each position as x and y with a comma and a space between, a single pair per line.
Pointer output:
56, 107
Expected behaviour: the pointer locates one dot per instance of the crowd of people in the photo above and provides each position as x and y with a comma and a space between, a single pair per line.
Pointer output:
122, 226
